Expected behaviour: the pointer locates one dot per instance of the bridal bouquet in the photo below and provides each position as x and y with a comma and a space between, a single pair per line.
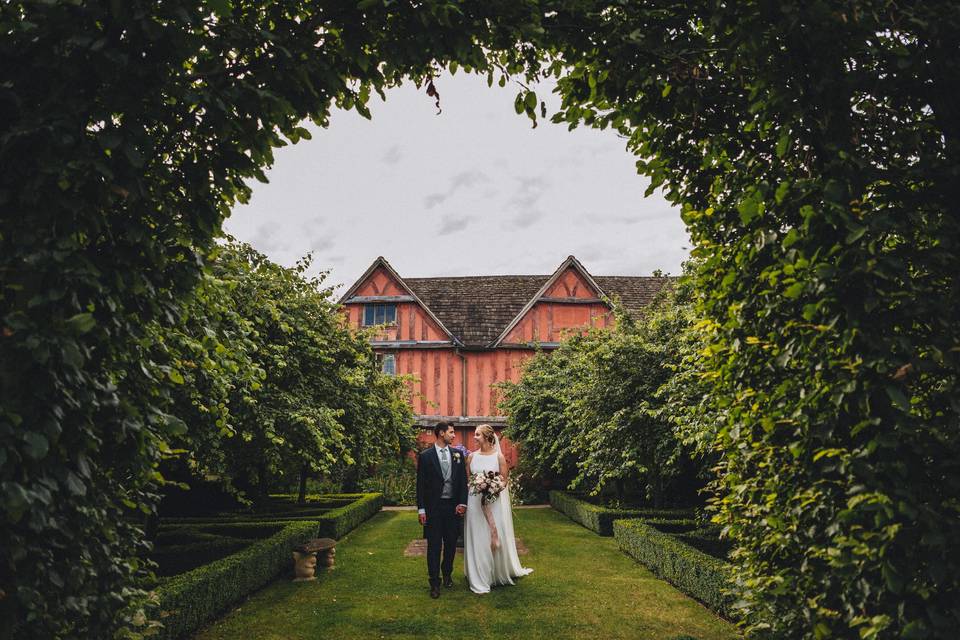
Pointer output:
488, 485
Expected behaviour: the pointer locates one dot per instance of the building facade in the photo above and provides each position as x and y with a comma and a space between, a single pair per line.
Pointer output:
460, 336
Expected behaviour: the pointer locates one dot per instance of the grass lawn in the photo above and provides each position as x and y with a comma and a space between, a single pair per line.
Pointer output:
582, 586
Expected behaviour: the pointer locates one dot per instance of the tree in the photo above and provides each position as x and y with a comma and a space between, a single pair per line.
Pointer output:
591, 413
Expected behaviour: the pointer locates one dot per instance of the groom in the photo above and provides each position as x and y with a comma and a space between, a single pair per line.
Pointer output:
442, 501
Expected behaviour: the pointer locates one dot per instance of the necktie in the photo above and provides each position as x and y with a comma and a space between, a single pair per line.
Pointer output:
444, 463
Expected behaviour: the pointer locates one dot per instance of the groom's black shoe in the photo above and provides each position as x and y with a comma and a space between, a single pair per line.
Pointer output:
448, 582
435, 591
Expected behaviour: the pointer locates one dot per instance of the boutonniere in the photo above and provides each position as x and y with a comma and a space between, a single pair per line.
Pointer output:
456, 456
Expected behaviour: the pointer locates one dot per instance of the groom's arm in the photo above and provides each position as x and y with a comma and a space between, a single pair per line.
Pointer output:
421, 490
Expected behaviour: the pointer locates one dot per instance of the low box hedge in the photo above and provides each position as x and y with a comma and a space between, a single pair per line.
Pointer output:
600, 519
697, 574
191, 599
339, 522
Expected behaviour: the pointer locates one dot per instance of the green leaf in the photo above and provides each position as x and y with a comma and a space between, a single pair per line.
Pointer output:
37, 444
175, 376
75, 484
530, 100
856, 234
220, 7
794, 290
783, 144
896, 395
81, 323
666, 90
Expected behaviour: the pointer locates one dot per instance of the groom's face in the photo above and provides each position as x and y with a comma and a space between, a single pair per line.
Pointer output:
448, 436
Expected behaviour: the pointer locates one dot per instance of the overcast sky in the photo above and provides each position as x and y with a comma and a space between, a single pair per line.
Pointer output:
472, 191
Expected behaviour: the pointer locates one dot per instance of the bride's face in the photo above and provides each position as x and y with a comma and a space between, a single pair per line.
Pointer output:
478, 439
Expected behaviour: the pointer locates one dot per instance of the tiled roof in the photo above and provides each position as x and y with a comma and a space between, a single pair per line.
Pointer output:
477, 309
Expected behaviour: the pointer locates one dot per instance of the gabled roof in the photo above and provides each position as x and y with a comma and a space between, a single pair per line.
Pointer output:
479, 310
381, 262
570, 262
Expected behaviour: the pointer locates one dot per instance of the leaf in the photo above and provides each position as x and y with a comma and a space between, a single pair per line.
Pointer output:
75, 484
37, 445
175, 376
81, 323
530, 100
856, 234
897, 397
794, 290
666, 90
783, 144
220, 7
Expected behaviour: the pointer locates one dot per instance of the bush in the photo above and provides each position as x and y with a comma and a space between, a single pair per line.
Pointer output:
191, 599
600, 519
396, 479
697, 574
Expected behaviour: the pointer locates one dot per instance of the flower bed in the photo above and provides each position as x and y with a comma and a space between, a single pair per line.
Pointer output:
600, 519
699, 575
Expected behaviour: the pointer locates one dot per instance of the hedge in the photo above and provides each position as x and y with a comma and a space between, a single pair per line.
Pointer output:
600, 519
339, 522
191, 599
697, 574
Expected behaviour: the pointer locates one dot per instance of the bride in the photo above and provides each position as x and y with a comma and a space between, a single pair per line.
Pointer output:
490, 550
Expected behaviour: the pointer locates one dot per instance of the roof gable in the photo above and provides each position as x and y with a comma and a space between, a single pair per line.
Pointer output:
568, 277
381, 280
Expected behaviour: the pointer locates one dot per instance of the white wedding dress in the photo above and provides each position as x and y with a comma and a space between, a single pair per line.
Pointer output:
483, 566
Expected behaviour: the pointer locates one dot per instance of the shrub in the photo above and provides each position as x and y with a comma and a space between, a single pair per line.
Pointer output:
189, 600
600, 519
339, 522
396, 479
697, 574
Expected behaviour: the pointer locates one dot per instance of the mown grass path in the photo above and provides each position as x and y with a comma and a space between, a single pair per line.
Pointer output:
582, 587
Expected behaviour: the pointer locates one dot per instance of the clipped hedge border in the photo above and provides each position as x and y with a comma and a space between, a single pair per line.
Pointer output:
600, 519
339, 522
697, 574
189, 600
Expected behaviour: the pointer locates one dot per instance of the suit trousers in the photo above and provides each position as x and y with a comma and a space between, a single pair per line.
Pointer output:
442, 529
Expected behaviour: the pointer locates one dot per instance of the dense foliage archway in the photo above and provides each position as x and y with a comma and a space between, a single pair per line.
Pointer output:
813, 147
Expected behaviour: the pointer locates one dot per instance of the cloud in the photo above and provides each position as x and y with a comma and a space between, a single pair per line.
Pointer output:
321, 244
525, 219
611, 218
453, 223
265, 240
524, 201
393, 155
462, 180
434, 199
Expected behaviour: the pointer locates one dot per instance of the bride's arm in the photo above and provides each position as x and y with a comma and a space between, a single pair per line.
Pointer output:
504, 469
469, 460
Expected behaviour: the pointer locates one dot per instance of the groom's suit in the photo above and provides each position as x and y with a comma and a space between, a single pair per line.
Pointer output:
443, 523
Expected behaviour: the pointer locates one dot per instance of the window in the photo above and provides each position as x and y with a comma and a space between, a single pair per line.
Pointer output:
388, 364
379, 314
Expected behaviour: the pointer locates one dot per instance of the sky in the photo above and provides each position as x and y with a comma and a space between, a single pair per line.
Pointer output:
474, 190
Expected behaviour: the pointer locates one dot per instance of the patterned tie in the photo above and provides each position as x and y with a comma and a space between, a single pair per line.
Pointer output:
444, 463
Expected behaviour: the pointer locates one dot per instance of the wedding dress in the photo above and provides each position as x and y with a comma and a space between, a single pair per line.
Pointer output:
486, 567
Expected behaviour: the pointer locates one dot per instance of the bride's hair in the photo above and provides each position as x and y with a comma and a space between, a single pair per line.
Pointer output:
488, 433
